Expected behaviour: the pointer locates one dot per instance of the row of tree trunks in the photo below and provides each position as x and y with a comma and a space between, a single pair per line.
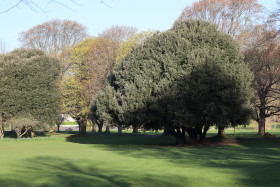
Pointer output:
180, 135
202, 134
193, 134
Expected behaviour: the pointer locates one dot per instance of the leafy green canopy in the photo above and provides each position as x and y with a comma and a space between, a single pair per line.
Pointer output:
189, 77
28, 85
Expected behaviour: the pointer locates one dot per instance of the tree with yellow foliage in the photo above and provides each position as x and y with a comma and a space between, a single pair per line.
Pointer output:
75, 98
132, 41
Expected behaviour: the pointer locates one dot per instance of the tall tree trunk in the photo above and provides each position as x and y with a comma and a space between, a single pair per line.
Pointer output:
93, 125
221, 132
119, 128
107, 129
100, 126
10, 127
83, 126
261, 122
166, 132
135, 129
144, 130
1, 129
180, 135
193, 134
93, 128
58, 127
202, 134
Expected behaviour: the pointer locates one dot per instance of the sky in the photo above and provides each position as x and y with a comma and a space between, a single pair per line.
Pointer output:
96, 15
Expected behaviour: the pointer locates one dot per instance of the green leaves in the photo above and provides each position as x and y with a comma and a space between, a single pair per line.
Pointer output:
29, 84
189, 76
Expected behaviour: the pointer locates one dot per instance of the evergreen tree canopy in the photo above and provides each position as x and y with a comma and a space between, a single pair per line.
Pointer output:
186, 79
28, 85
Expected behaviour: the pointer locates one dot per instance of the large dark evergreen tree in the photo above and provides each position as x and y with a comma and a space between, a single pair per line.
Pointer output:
29, 86
186, 79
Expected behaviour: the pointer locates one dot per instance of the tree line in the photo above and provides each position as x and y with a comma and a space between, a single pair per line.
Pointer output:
217, 66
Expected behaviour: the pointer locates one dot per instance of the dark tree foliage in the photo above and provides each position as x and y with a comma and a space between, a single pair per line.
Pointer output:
29, 85
186, 79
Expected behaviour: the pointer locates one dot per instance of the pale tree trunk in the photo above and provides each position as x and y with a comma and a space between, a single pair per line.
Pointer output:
93, 128
10, 127
19, 131
1, 129
119, 128
83, 125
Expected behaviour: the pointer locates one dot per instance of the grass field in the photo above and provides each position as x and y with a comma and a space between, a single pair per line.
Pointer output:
123, 160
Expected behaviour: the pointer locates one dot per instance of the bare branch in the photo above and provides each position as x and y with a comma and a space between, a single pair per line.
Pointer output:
35, 6
7, 10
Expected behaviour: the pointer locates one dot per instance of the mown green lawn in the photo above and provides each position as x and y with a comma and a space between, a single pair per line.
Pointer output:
114, 160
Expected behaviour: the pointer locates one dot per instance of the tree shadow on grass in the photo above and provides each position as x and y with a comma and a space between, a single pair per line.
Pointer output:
53, 171
122, 139
256, 160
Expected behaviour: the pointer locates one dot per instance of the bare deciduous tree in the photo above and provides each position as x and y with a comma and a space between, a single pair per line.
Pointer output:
36, 6
118, 33
103, 53
263, 58
234, 17
53, 36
